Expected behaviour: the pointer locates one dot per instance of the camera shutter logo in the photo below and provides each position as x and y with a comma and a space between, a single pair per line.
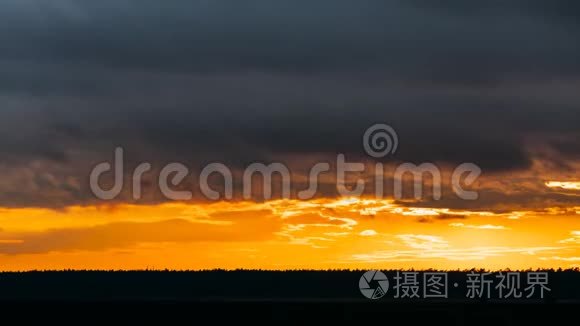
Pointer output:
373, 284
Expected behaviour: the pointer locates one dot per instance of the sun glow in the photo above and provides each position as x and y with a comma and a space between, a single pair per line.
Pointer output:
278, 234
568, 185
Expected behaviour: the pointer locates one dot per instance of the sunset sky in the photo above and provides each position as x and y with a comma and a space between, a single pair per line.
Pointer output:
199, 82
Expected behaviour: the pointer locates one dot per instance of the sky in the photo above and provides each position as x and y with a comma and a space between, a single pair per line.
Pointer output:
491, 83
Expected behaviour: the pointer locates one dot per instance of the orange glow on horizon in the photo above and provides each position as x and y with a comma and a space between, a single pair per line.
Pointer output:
285, 234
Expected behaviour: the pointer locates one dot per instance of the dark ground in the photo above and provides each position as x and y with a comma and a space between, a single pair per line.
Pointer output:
299, 296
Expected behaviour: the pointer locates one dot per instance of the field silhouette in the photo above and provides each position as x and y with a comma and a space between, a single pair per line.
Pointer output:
243, 285
299, 296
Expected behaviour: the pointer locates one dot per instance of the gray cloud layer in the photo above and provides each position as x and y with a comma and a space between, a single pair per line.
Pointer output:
257, 80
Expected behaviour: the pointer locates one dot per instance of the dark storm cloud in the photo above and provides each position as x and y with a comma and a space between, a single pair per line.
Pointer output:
408, 39
258, 80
